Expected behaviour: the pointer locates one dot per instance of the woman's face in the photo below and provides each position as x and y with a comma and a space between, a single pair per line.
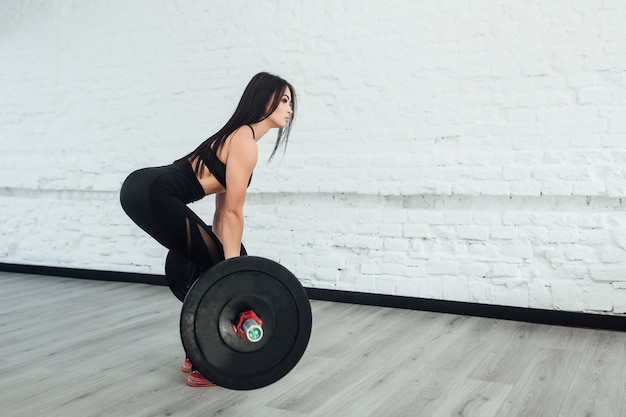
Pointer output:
280, 117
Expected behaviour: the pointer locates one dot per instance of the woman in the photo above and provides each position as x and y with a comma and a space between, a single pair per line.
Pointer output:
156, 198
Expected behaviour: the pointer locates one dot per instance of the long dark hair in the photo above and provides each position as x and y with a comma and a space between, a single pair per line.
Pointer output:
253, 107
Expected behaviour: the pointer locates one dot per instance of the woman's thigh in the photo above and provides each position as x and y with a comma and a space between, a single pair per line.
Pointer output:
168, 219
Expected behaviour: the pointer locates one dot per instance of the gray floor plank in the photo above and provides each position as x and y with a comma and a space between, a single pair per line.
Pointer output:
544, 385
600, 390
92, 348
506, 361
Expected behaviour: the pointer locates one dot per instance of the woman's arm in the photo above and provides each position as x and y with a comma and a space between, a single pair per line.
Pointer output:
219, 203
228, 218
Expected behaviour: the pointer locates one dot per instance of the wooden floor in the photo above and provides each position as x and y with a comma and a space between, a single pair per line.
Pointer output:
72, 347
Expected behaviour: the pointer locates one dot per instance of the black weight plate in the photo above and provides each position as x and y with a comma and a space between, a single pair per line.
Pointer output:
233, 286
181, 273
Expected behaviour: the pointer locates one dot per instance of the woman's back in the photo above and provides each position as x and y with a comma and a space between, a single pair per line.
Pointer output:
212, 171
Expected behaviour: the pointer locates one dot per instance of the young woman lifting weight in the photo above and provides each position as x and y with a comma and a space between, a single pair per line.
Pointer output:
156, 198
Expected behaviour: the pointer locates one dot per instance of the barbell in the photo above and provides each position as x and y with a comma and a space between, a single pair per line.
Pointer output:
245, 322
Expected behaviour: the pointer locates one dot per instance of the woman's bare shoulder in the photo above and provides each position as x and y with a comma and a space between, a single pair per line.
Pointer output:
243, 147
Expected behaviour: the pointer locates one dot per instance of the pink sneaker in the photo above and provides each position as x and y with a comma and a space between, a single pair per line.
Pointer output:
186, 368
195, 379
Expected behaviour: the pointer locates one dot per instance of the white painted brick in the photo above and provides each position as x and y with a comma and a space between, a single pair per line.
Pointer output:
515, 218
551, 114
472, 232
619, 301
419, 249
443, 267
426, 217
617, 126
596, 236
567, 295
395, 269
474, 269
416, 231
583, 140
396, 244
370, 242
594, 95
335, 261
363, 283
516, 173
572, 271
556, 256
431, 287
495, 188
365, 200
529, 158
616, 220
408, 287
370, 216
589, 221
526, 188
487, 218
588, 188
485, 250
391, 230
396, 257
563, 236
615, 188
503, 232
458, 217
504, 270
516, 250
527, 142
456, 288
555, 141
608, 273
599, 297
556, 188
611, 254
582, 79
515, 297
370, 268
540, 294
480, 292
386, 285
326, 274
580, 253
614, 140
443, 232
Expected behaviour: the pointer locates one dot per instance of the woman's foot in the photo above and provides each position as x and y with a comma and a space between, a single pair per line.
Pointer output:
186, 368
195, 379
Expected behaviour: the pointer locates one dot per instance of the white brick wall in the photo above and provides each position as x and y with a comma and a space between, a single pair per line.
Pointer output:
471, 151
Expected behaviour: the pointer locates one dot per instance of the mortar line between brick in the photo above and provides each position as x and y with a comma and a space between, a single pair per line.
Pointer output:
563, 204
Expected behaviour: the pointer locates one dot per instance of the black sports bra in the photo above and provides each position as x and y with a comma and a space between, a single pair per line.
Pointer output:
218, 168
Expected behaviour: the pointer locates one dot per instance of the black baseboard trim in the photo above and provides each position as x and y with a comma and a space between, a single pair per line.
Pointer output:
529, 315
133, 277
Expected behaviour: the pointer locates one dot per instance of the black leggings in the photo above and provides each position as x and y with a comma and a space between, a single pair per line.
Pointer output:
156, 199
